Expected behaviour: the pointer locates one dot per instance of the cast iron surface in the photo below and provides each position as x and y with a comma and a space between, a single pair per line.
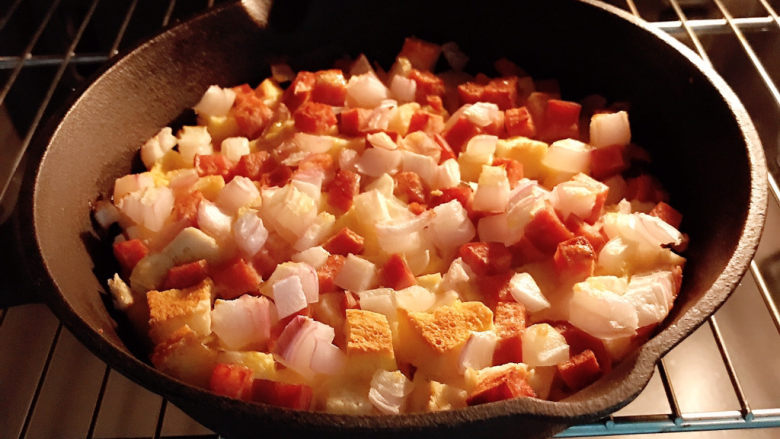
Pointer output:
704, 146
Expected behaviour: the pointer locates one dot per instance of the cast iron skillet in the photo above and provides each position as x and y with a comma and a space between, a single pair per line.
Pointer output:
705, 148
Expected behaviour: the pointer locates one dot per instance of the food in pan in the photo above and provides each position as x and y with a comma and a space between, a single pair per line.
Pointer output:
365, 241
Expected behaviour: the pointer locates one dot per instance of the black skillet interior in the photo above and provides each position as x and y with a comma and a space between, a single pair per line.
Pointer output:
704, 147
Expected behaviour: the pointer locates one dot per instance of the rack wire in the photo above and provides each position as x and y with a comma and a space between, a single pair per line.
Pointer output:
50, 348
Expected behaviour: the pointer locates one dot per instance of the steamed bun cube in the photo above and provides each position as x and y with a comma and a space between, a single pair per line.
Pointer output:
169, 310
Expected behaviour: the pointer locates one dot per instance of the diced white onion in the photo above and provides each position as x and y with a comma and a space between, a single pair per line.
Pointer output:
295, 346
480, 148
184, 180
422, 165
377, 161
380, 118
415, 299
568, 155
236, 194
194, 140
421, 143
384, 184
401, 236
216, 101
613, 256
457, 276
120, 293
524, 289
652, 296
288, 296
610, 129
249, 233
544, 346
347, 159
379, 300
493, 228
318, 231
571, 197
641, 228
381, 140
477, 353
244, 322
314, 256
105, 213
450, 226
234, 148
357, 274
365, 91
306, 275
290, 212
327, 358
403, 89
388, 391
492, 193
314, 191
132, 183
156, 147
447, 174
212, 220
313, 143
599, 308
483, 114
149, 208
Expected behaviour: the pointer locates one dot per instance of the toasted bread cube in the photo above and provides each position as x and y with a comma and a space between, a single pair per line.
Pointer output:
185, 357
369, 342
434, 339
169, 310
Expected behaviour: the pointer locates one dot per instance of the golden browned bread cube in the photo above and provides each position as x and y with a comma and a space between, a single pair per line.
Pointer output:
369, 342
169, 310
433, 340
184, 356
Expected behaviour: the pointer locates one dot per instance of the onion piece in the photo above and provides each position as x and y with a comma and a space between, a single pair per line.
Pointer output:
613, 257
641, 228
314, 256
403, 89
249, 233
243, 323
212, 220
422, 165
234, 148
216, 101
568, 155
524, 290
157, 146
608, 129
296, 344
312, 143
493, 228
578, 196
415, 299
450, 226
306, 275
318, 231
379, 300
401, 236
492, 193
389, 390
483, 114
477, 353
365, 91
289, 296
652, 296
599, 308
480, 148
447, 174
544, 346
458, 275
347, 159
236, 194
148, 208
327, 358
132, 183
105, 213
357, 274
184, 180
381, 140
377, 161
421, 143
194, 140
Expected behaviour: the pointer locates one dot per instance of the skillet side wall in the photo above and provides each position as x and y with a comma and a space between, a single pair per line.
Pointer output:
699, 150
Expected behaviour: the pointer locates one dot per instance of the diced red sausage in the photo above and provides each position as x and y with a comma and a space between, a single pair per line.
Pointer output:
459, 133
328, 271
581, 370
186, 275
518, 122
667, 213
575, 259
561, 120
254, 165
315, 118
579, 340
507, 385
232, 380
354, 121
446, 150
251, 114
344, 242
593, 233
427, 84
644, 188
486, 257
470, 92
502, 92
607, 161
185, 208
292, 396
419, 121
279, 176
546, 231
343, 188
409, 187
508, 350
214, 164
129, 252
330, 87
514, 169
525, 252
236, 279
299, 90
422, 54
396, 274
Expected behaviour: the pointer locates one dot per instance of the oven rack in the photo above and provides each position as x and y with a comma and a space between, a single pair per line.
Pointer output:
60, 389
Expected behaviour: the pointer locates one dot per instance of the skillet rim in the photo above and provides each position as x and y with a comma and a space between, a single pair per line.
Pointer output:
557, 412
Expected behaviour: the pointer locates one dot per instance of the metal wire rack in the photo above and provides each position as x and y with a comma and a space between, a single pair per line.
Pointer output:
62, 390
